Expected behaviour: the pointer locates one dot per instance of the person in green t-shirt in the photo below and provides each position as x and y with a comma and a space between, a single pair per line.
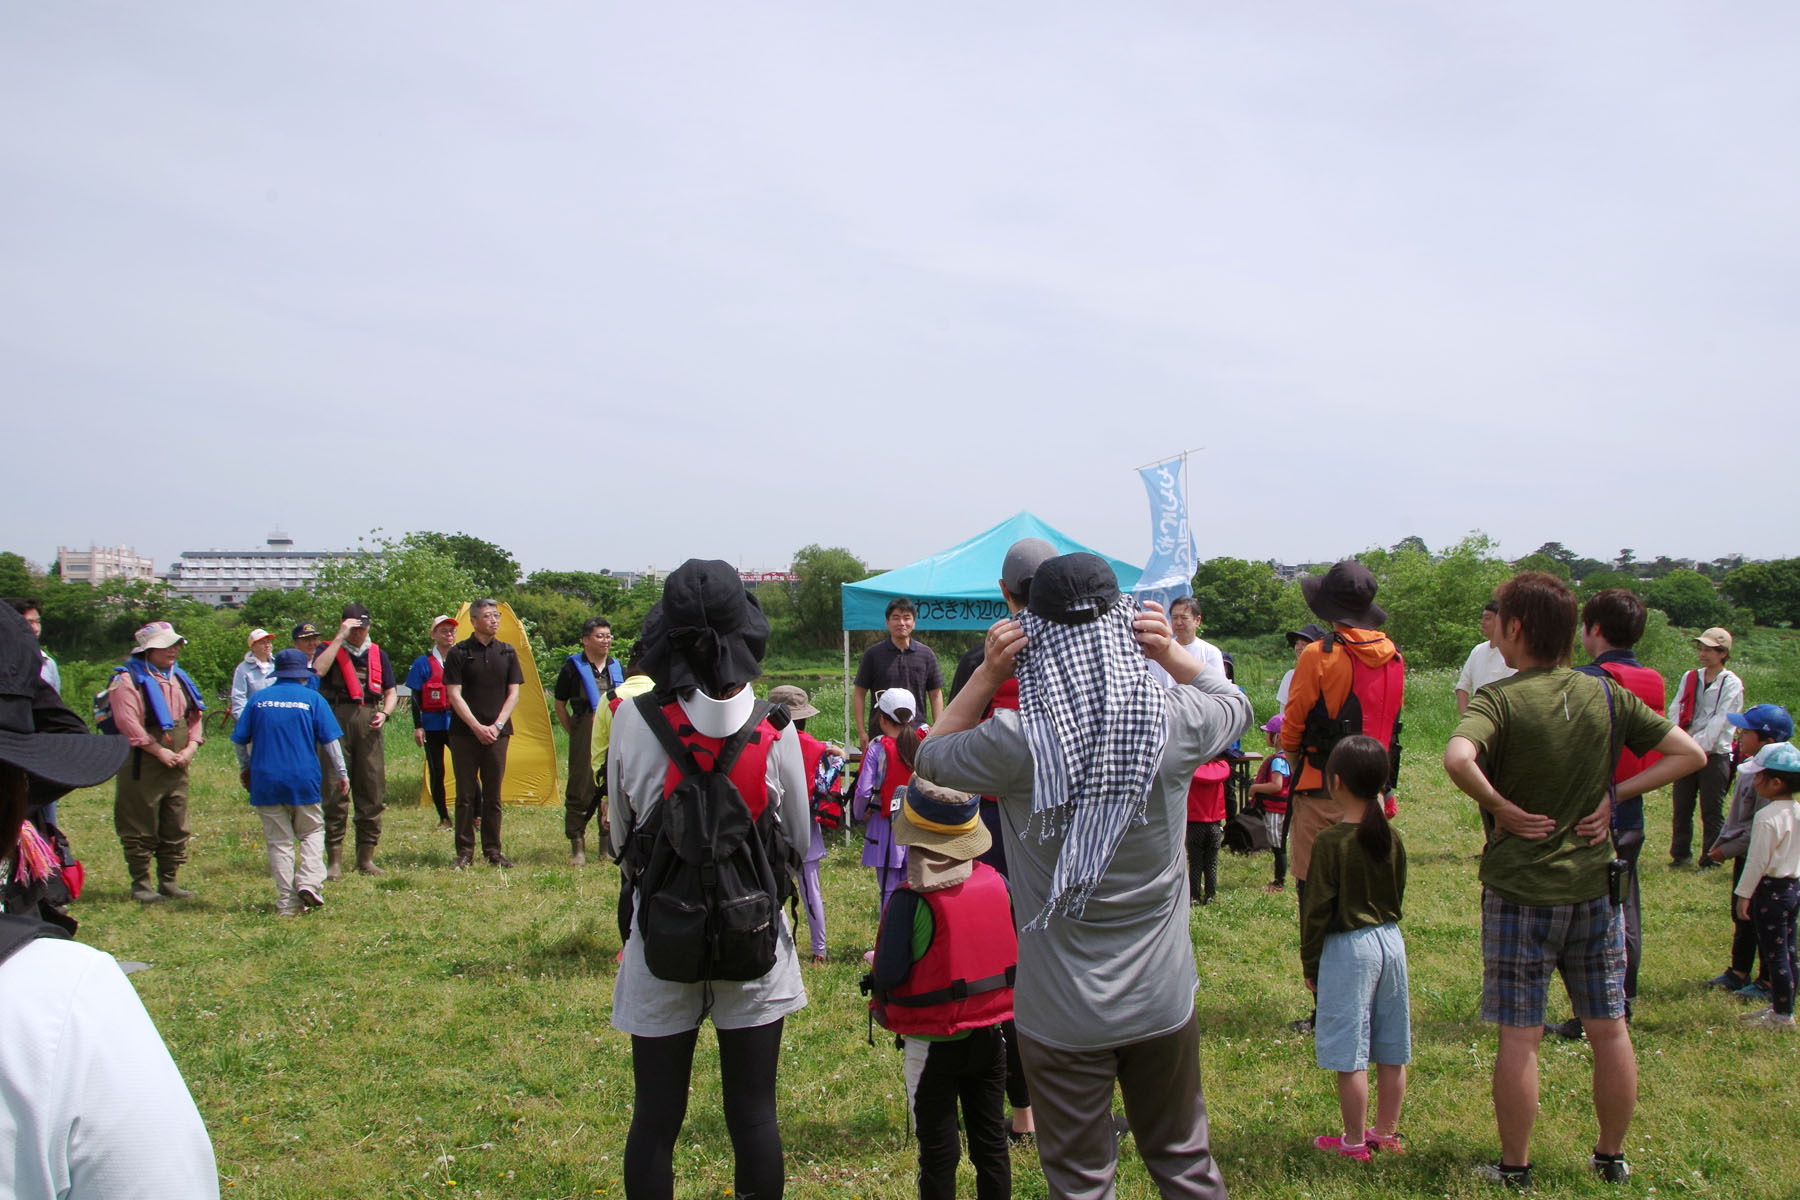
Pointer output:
1536, 752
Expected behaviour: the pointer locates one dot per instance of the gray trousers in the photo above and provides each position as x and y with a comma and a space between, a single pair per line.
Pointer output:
1071, 1102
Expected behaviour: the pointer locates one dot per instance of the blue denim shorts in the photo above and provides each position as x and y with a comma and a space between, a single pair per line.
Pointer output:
1521, 944
1364, 1015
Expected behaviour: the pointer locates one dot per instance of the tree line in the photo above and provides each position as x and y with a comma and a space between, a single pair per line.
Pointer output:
1433, 599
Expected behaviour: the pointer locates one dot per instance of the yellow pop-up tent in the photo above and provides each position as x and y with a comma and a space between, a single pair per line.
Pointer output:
531, 774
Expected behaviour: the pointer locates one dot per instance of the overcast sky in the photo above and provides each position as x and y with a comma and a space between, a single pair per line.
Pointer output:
614, 285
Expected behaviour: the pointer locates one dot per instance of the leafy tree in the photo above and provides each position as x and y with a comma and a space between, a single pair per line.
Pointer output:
1434, 604
818, 603
1412, 542
494, 570
630, 610
557, 617
15, 576
1771, 590
1559, 552
403, 583
1546, 563
1627, 560
1688, 598
1238, 598
600, 590
1599, 581
278, 611
1581, 568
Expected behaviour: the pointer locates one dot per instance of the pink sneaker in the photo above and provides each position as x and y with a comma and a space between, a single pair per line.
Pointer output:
1333, 1144
1387, 1143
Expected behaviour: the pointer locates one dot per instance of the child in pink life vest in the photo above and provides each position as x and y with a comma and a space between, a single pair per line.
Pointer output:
886, 767
942, 977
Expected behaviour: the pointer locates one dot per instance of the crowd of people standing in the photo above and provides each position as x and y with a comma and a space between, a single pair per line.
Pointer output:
1052, 798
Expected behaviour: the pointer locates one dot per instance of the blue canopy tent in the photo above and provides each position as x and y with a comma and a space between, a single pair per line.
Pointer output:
956, 588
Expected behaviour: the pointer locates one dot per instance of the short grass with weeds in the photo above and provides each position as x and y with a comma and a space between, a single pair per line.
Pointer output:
433, 1033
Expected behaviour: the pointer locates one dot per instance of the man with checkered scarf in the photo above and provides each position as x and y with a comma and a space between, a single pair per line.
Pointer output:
1091, 774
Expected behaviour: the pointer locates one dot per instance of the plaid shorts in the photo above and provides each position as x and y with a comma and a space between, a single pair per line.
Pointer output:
1522, 943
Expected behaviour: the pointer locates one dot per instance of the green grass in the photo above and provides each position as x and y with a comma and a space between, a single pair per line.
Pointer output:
430, 1027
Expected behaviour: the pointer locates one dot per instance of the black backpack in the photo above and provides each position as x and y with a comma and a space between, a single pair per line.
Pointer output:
710, 879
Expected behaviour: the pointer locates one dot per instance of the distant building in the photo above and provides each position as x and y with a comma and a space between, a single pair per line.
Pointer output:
97, 564
228, 577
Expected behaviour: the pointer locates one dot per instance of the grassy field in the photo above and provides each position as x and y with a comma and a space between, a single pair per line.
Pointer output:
440, 1034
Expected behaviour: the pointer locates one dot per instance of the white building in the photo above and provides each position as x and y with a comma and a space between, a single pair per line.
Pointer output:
97, 564
219, 577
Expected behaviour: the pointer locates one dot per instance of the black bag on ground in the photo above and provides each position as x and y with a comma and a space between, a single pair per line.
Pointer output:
708, 886
1247, 833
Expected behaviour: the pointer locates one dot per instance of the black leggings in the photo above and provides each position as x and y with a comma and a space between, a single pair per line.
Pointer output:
661, 1068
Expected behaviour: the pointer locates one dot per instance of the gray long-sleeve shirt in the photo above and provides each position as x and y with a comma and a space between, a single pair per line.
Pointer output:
1734, 835
1124, 971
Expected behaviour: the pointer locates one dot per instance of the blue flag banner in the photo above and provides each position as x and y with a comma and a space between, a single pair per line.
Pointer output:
1170, 571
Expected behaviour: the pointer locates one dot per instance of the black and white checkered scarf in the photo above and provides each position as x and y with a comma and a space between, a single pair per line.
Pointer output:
1095, 723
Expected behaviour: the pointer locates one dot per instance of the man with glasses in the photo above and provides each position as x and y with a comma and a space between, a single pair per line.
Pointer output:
897, 661
589, 678
483, 677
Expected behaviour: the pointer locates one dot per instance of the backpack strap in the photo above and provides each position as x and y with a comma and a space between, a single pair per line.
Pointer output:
672, 745
681, 754
959, 989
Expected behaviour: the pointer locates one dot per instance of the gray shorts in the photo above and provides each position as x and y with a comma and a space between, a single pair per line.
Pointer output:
1364, 1015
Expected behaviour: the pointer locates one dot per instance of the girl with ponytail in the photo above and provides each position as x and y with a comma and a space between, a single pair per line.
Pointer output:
886, 768
1353, 955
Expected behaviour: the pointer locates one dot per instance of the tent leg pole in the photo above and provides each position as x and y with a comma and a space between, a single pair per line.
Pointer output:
848, 822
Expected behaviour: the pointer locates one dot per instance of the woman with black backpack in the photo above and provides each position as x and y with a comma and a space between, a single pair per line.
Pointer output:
700, 769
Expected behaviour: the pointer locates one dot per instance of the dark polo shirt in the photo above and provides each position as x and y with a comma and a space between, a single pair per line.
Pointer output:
884, 665
484, 673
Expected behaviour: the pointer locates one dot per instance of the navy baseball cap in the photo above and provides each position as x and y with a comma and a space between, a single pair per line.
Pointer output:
1769, 720
305, 629
292, 664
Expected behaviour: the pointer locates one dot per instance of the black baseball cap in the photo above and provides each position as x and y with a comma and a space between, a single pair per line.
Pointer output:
1073, 589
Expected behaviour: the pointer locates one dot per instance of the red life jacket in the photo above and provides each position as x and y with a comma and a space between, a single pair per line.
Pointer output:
749, 774
434, 697
965, 979
1206, 791
1006, 696
1277, 802
1686, 696
354, 685
811, 751
894, 773
1647, 685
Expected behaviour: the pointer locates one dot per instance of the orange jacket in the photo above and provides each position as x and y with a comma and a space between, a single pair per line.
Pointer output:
1319, 674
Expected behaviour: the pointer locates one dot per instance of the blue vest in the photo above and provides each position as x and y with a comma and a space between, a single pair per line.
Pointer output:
146, 680
615, 675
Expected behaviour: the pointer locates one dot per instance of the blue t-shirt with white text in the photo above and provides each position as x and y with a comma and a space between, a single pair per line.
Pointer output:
284, 725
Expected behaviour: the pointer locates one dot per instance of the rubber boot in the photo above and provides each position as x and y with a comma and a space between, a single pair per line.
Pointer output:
141, 888
578, 850
334, 862
365, 861
166, 885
